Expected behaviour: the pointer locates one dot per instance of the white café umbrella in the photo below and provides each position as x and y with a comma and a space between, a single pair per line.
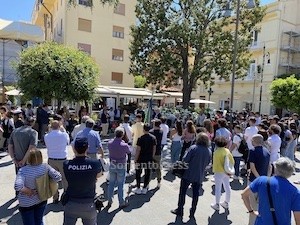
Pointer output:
13, 92
201, 101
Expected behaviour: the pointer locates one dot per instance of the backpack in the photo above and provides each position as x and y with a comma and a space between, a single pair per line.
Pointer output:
243, 148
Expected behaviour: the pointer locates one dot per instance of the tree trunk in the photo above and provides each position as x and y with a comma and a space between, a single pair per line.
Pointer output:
86, 105
187, 84
58, 105
187, 90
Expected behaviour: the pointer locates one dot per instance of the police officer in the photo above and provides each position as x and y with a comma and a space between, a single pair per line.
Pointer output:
81, 173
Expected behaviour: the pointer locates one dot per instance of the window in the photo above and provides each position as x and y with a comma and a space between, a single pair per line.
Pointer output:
120, 9
85, 2
224, 104
116, 78
254, 38
251, 71
84, 25
60, 30
118, 32
85, 48
117, 54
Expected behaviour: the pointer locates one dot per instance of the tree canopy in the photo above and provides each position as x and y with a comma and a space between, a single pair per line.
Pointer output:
190, 40
140, 81
55, 71
285, 93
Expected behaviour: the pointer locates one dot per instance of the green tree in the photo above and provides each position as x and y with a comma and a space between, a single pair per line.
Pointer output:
140, 81
190, 40
285, 93
54, 71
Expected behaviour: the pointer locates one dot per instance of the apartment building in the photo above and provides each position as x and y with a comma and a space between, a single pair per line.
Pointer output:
102, 32
275, 51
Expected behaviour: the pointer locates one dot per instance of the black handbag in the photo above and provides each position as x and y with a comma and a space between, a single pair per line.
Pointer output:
272, 209
179, 168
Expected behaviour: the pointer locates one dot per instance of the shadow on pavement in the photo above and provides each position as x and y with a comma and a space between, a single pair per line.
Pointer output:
169, 176
51, 207
238, 184
218, 219
135, 201
178, 221
5, 211
6, 164
105, 217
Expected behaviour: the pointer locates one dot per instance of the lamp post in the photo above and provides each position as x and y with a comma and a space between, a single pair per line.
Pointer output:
261, 78
250, 5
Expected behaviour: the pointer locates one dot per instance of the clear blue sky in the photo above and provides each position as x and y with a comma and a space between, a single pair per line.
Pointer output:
21, 9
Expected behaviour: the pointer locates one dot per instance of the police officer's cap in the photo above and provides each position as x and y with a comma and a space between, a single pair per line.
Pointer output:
81, 142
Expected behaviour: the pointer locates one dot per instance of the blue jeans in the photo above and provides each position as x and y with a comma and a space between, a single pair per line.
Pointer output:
237, 161
117, 175
182, 193
33, 215
175, 151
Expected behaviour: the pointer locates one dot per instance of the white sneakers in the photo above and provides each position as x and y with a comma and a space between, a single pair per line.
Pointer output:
140, 191
224, 205
217, 206
235, 177
144, 191
137, 191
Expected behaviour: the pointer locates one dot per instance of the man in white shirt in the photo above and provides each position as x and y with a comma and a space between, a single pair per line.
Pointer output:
237, 139
165, 128
258, 118
128, 133
275, 142
56, 142
79, 127
250, 131
137, 129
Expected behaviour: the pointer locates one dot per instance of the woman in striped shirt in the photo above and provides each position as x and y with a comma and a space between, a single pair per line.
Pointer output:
30, 206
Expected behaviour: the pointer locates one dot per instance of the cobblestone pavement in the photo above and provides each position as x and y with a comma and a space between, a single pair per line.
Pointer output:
150, 209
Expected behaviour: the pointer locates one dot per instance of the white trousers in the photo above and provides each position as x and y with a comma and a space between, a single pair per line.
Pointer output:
222, 179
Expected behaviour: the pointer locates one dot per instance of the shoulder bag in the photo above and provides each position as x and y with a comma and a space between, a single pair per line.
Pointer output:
228, 166
46, 187
272, 209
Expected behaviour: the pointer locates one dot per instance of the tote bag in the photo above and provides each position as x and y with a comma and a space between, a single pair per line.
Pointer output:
228, 166
46, 187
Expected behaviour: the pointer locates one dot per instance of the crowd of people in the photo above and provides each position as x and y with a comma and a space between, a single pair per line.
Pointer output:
206, 143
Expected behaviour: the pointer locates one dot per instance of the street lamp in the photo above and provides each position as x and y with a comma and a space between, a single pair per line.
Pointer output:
250, 5
262, 77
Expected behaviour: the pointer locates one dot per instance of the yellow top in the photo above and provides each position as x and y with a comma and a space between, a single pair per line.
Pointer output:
219, 159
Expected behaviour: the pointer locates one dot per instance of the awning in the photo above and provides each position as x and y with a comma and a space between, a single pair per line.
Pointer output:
126, 92
105, 91
201, 101
174, 94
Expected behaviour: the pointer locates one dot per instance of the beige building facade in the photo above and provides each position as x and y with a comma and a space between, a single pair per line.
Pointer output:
275, 51
103, 32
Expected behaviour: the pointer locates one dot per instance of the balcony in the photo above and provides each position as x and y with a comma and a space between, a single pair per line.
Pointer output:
289, 48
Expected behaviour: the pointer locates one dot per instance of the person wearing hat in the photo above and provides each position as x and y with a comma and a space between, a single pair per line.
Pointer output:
21, 141
81, 174
18, 118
